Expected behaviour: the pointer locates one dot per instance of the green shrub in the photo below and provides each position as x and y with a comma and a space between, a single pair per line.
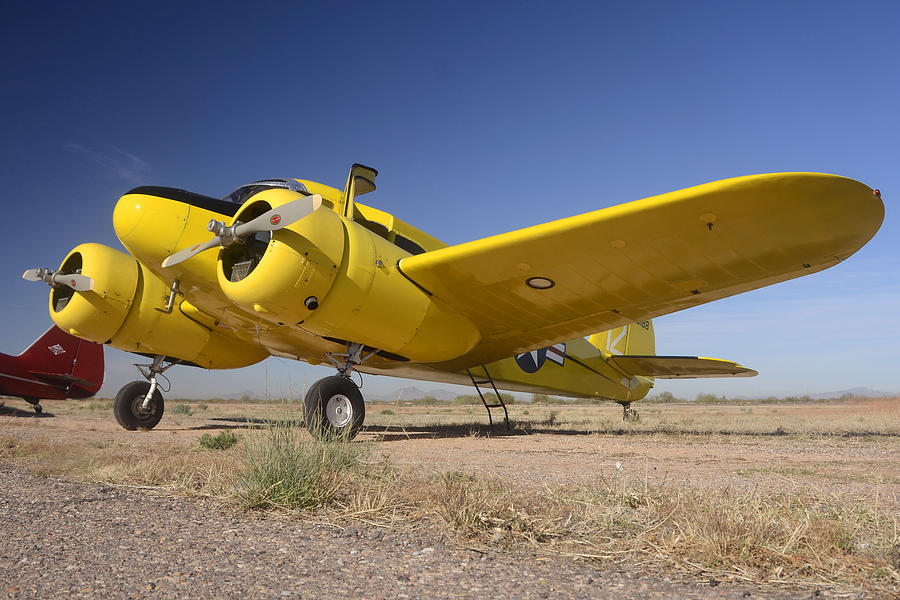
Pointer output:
286, 468
223, 441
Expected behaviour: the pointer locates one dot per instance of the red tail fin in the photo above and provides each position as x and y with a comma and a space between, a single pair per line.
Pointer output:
59, 353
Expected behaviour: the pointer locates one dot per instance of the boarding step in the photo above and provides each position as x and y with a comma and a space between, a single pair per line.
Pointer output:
485, 380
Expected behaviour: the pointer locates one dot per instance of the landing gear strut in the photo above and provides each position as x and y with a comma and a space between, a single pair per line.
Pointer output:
334, 406
36, 403
139, 404
629, 415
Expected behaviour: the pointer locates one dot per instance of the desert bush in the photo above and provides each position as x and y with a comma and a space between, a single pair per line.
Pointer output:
285, 467
182, 409
222, 441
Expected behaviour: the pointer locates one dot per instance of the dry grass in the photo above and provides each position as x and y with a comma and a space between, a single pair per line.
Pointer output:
745, 535
801, 535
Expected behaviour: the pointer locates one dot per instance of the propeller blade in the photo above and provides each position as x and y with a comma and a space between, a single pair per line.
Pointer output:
284, 215
33, 275
271, 220
76, 281
183, 255
79, 283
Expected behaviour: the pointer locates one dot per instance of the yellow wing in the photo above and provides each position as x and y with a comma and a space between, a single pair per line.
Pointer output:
647, 258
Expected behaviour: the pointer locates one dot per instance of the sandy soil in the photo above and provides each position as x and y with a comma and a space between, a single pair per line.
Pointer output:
322, 561
860, 462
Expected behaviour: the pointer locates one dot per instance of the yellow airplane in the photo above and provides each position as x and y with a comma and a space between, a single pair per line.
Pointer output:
304, 271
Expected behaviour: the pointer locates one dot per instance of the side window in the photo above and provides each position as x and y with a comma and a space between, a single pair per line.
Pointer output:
376, 228
408, 245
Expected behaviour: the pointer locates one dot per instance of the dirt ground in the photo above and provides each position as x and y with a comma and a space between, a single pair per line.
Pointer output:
850, 447
847, 446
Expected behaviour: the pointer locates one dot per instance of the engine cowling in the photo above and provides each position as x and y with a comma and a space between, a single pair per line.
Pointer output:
98, 314
124, 310
337, 279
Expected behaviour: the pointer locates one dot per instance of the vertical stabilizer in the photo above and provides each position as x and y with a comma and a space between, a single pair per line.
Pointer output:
53, 352
634, 339
89, 366
61, 355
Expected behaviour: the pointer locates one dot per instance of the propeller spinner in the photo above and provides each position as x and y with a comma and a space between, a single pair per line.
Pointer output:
271, 220
79, 283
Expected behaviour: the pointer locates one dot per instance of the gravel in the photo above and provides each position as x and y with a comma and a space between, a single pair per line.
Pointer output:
61, 538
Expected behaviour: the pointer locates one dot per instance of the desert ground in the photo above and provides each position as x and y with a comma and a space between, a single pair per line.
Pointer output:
731, 499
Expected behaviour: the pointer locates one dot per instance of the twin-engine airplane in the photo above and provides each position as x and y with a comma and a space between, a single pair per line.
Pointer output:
304, 271
56, 366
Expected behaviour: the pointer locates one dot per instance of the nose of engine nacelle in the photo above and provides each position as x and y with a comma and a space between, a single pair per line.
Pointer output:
96, 314
271, 275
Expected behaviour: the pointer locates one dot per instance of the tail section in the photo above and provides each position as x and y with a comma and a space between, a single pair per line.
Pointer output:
61, 357
632, 350
634, 338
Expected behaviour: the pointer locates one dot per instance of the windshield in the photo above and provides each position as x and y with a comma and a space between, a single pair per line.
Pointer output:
244, 192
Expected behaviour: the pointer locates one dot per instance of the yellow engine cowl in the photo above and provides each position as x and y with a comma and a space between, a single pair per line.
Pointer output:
126, 310
334, 278
98, 314
301, 261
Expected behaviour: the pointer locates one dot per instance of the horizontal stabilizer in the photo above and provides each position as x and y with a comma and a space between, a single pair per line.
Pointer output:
63, 379
679, 367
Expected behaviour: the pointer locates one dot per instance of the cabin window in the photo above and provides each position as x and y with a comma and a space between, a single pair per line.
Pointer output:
408, 245
376, 228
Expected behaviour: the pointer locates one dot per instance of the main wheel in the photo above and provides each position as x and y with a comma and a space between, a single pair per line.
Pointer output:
334, 407
127, 406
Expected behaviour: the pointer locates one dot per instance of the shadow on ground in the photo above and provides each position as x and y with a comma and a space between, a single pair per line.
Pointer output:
393, 433
14, 411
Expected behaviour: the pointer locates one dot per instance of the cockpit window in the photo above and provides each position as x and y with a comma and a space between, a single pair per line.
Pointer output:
246, 191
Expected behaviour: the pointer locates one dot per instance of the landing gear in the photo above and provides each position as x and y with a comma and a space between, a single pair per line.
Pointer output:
629, 415
36, 403
334, 406
139, 404
130, 410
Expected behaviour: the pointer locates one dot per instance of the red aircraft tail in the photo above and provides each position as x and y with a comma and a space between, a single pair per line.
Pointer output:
63, 358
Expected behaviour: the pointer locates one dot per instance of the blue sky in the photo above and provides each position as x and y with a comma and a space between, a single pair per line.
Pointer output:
481, 118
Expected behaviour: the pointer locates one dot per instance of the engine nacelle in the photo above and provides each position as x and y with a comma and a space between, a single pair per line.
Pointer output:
124, 310
337, 279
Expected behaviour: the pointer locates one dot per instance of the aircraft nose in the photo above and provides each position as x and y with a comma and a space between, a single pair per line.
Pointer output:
149, 226
128, 213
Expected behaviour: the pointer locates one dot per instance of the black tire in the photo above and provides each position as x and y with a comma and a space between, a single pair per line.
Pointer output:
333, 408
127, 406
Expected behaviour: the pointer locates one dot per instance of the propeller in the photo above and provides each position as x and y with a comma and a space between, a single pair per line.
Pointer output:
271, 220
76, 281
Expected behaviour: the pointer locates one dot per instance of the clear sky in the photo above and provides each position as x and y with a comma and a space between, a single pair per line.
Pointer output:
481, 117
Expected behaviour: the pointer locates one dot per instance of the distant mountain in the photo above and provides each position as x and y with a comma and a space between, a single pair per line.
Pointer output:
241, 395
859, 392
411, 393
862, 392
